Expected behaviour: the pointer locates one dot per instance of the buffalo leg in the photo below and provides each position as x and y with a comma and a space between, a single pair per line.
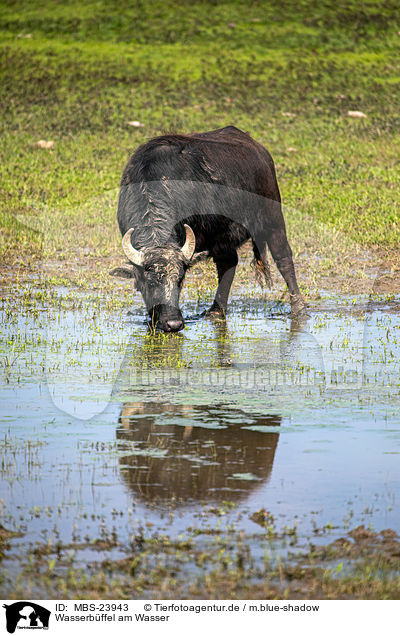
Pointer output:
282, 255
226, 268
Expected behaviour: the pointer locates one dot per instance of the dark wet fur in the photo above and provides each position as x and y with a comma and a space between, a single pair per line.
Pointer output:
226, 157
223, 184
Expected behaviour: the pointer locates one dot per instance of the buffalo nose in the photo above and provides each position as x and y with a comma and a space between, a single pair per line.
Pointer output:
174, 325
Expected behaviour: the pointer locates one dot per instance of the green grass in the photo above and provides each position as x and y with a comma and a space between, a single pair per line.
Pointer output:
76, 73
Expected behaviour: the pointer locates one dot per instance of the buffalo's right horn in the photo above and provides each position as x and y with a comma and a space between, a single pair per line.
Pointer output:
190, 243
135, 256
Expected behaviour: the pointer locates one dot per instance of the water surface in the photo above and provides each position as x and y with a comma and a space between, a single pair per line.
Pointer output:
108, 431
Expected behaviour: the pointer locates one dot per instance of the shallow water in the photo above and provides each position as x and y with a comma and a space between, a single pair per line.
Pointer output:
107, 430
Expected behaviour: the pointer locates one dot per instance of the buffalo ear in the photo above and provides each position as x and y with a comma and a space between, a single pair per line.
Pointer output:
197, 258
125, 271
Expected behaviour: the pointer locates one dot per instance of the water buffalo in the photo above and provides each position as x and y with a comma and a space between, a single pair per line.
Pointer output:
186, 197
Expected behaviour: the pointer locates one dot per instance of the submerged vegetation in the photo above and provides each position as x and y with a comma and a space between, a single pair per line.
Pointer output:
218, 564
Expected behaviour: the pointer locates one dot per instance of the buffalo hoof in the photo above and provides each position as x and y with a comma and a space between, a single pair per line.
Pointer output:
299, 309
215, 312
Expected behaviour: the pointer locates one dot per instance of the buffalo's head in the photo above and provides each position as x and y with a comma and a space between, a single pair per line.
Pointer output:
159, 273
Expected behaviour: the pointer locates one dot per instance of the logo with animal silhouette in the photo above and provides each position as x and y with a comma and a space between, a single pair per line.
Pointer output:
26, 615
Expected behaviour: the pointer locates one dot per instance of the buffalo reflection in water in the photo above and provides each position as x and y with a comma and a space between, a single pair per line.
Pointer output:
187, 454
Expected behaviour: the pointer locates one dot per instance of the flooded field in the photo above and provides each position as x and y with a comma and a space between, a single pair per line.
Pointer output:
232, 445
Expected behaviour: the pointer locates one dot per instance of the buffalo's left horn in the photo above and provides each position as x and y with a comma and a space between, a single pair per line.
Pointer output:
190, 243
135, 256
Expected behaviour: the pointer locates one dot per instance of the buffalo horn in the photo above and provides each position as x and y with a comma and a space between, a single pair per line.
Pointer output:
190, 243
135, 256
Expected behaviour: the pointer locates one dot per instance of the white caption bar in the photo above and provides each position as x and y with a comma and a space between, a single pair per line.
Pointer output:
176, 617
